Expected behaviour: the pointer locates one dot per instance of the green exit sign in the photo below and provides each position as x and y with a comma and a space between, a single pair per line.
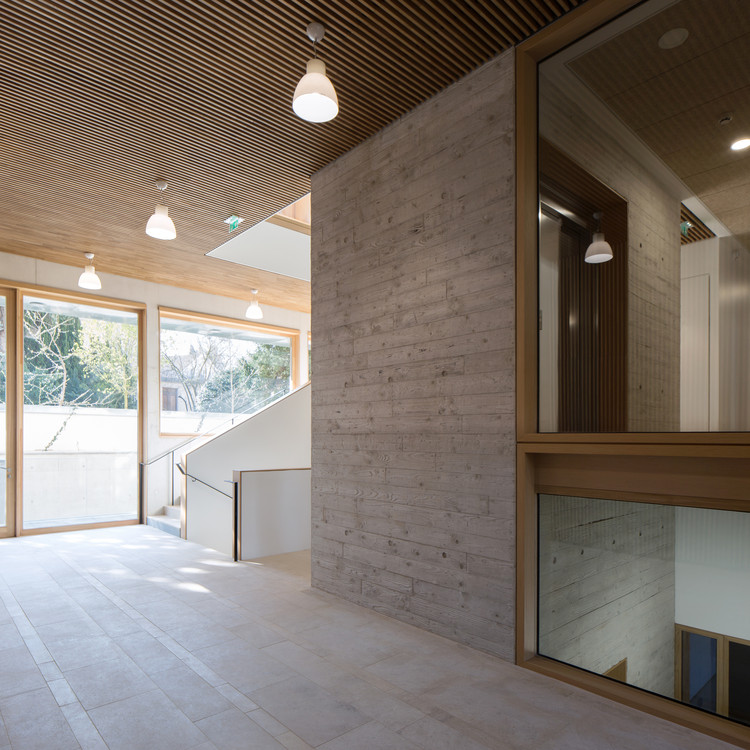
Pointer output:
234, 222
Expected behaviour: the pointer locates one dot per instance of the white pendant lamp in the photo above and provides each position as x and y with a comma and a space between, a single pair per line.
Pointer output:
160, 226
88, 279
253, 311
599, 251
315, 98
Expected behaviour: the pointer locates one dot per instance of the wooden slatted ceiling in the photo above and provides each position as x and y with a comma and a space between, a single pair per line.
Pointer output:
697, 230
99, 98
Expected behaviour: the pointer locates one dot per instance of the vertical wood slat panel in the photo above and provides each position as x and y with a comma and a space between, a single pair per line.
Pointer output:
593, 320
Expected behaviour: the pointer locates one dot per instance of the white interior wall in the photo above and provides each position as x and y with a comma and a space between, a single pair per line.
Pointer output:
734, 353
695, 354
712, 571
723, 331
275, 515
20, 269
699, 260
276, 438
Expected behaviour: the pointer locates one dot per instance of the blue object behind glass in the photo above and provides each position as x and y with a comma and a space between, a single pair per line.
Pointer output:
701, 665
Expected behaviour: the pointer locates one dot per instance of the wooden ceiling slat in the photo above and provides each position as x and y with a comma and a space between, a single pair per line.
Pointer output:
512, 29
364, 48
292, 67
538, 13
147, 168
518, 23
133, 87
369, 48
101, 97
140, 104
414, 30
453, 25
503, 38
697, 230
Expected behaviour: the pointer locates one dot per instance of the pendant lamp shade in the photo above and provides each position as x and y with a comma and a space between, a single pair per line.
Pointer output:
599, 251
88, 279
254, 311
315, 98
160, 226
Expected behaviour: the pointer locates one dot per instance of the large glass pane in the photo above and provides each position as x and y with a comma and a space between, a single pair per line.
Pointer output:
3, 418
618, 580
640, 125
211, 371
80, 414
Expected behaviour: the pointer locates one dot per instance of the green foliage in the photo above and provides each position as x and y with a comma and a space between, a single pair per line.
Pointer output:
228, 392
219, 373
73, 361
268, 363
108, 352
258, 376
52, 373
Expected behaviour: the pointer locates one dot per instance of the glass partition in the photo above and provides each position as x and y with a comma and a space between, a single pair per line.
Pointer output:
80, 413
656, 596
644, 233
212, 370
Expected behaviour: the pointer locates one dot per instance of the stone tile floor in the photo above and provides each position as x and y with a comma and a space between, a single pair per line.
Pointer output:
131, 638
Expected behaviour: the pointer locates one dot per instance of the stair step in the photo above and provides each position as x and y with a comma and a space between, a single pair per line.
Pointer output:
165, 523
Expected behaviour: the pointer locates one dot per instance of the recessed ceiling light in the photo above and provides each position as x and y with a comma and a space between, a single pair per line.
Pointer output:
673, 38
743, 143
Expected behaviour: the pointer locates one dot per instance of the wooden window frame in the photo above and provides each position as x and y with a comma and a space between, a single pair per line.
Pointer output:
15, 293
12, 426
722, 663
639, 467
220, 320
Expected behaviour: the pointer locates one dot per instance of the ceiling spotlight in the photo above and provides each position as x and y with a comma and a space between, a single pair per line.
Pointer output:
315, 98
673, 38
160, 226
88, 279
599, 251
253, 311
740, 145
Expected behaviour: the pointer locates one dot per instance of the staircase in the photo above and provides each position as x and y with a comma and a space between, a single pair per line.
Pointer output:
167, 519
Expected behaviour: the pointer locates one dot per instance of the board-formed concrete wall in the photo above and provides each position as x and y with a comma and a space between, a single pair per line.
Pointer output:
413, 414
607, 587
